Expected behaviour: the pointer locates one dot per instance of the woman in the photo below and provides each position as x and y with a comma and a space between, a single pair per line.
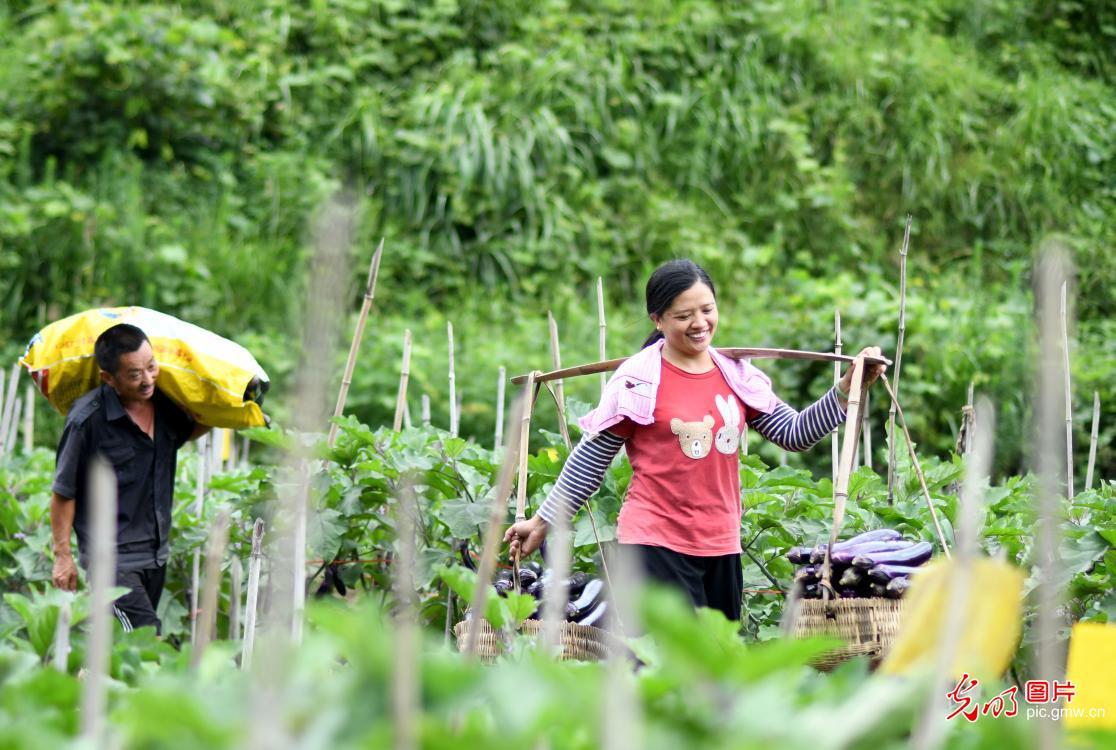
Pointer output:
679, 407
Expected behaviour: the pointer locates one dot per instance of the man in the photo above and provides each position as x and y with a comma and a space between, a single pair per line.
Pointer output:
139, 431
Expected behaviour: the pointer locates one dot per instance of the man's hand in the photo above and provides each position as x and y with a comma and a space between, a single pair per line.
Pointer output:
65, 574
526, 536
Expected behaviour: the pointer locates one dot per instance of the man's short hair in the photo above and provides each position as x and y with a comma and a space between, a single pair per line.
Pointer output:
122, 338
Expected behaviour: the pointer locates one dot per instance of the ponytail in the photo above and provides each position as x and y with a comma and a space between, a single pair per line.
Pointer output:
655, 336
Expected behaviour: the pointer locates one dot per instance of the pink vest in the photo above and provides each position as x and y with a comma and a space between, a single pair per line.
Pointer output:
632, 390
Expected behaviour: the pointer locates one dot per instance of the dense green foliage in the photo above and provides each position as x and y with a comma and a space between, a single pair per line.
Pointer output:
172, 154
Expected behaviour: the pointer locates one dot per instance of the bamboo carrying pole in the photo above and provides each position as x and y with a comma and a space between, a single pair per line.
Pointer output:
452, 384
214, 554
898, 361
501, 381
559, 396
401, 397
350, 366
847, 464
835, 443
603, 328
530, 393
1093, 441
498, 509
250, 605
1069, 397
102, 485
592, 368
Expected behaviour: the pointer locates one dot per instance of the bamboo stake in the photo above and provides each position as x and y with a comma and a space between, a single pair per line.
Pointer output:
866, 431
62, 638
245, 444
405, 654
1051, 272
350, 365
501, 381
592, 368
1093, 441
425, 410
298, 554
603, 327
195, 567
214, 554
102, 485
236, 584
498, 510
1069, 397
621, 720
29, 420
917, 466
834, 442
530, 393
898, 361
401, 397
13, 428
559, 397
9, 408
254, 562
3, 406
452, 384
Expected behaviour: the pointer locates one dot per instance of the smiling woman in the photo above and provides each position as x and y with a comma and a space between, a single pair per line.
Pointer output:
680, 407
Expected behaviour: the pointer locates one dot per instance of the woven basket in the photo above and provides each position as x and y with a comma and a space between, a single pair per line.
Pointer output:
579, 642
868, 627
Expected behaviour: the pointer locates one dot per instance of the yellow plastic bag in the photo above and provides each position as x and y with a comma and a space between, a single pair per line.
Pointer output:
992, 619
218, 381
1092, 656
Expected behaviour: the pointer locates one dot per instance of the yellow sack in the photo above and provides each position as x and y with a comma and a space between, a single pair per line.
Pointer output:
991, 625
214, 379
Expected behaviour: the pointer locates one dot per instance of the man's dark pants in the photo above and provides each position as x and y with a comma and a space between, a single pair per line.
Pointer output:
137, 608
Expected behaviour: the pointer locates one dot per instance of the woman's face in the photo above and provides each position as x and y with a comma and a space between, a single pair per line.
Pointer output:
689, 322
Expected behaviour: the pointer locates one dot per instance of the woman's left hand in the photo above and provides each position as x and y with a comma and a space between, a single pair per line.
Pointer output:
871, 372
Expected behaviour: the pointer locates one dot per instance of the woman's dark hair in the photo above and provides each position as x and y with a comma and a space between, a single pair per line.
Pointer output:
122, 338
667, 282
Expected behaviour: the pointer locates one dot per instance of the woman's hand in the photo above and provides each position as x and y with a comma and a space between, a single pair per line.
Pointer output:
871, 373
526, 536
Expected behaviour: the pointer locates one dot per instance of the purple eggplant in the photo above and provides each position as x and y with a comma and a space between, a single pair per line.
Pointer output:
799, 555
503, 588
807, 574
877, 590
590, 595
817, 555
527, 577
850, 578
577, 583
845, 555
884, 573
897, 587
848, 593
594, 616
916, 554
536, 589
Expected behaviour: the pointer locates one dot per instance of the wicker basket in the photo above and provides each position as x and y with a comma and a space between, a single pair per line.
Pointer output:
579, 642
868, 627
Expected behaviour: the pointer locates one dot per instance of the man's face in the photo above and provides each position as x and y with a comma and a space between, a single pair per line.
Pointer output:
134, 379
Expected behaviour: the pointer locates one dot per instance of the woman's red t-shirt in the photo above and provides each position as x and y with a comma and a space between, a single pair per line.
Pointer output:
685, 488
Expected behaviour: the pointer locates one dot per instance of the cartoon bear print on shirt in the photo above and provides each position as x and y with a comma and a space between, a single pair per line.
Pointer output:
696, 438
728, 437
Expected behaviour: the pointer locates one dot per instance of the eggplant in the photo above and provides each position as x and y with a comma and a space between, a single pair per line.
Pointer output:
896, 587
850, 578
846, 554
810, 591
807, 574
595, 615
536, 589
877, 590
577, 584
878, 535
885, 573
848, 593
799, 555
527, 577
571, 611
466, 558
534, 567
914, 555
503, 588
591, 594
503, 575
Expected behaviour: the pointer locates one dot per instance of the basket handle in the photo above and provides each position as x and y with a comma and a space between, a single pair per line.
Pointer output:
844, 471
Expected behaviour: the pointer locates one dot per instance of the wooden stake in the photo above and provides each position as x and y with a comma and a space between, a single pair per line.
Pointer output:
298, 553
254, 562
452, 384
866, 432
603, 329
559, 396
898, 361
917, 466
199, 500
501, 381
834, 440
62, 638
13, 428
425, 406
29, 420
236, 584
498, 510
214, 554
9, 409
401, 397
102, 485
405, 682
350, 366
1093, 441
1069, 397
530, 393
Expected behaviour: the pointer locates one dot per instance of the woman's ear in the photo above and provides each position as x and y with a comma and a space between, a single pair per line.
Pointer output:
656, 320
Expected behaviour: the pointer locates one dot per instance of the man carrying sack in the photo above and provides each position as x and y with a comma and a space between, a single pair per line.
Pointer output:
138, 430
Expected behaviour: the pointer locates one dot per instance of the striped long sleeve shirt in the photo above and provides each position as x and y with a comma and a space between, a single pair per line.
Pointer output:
585, 468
